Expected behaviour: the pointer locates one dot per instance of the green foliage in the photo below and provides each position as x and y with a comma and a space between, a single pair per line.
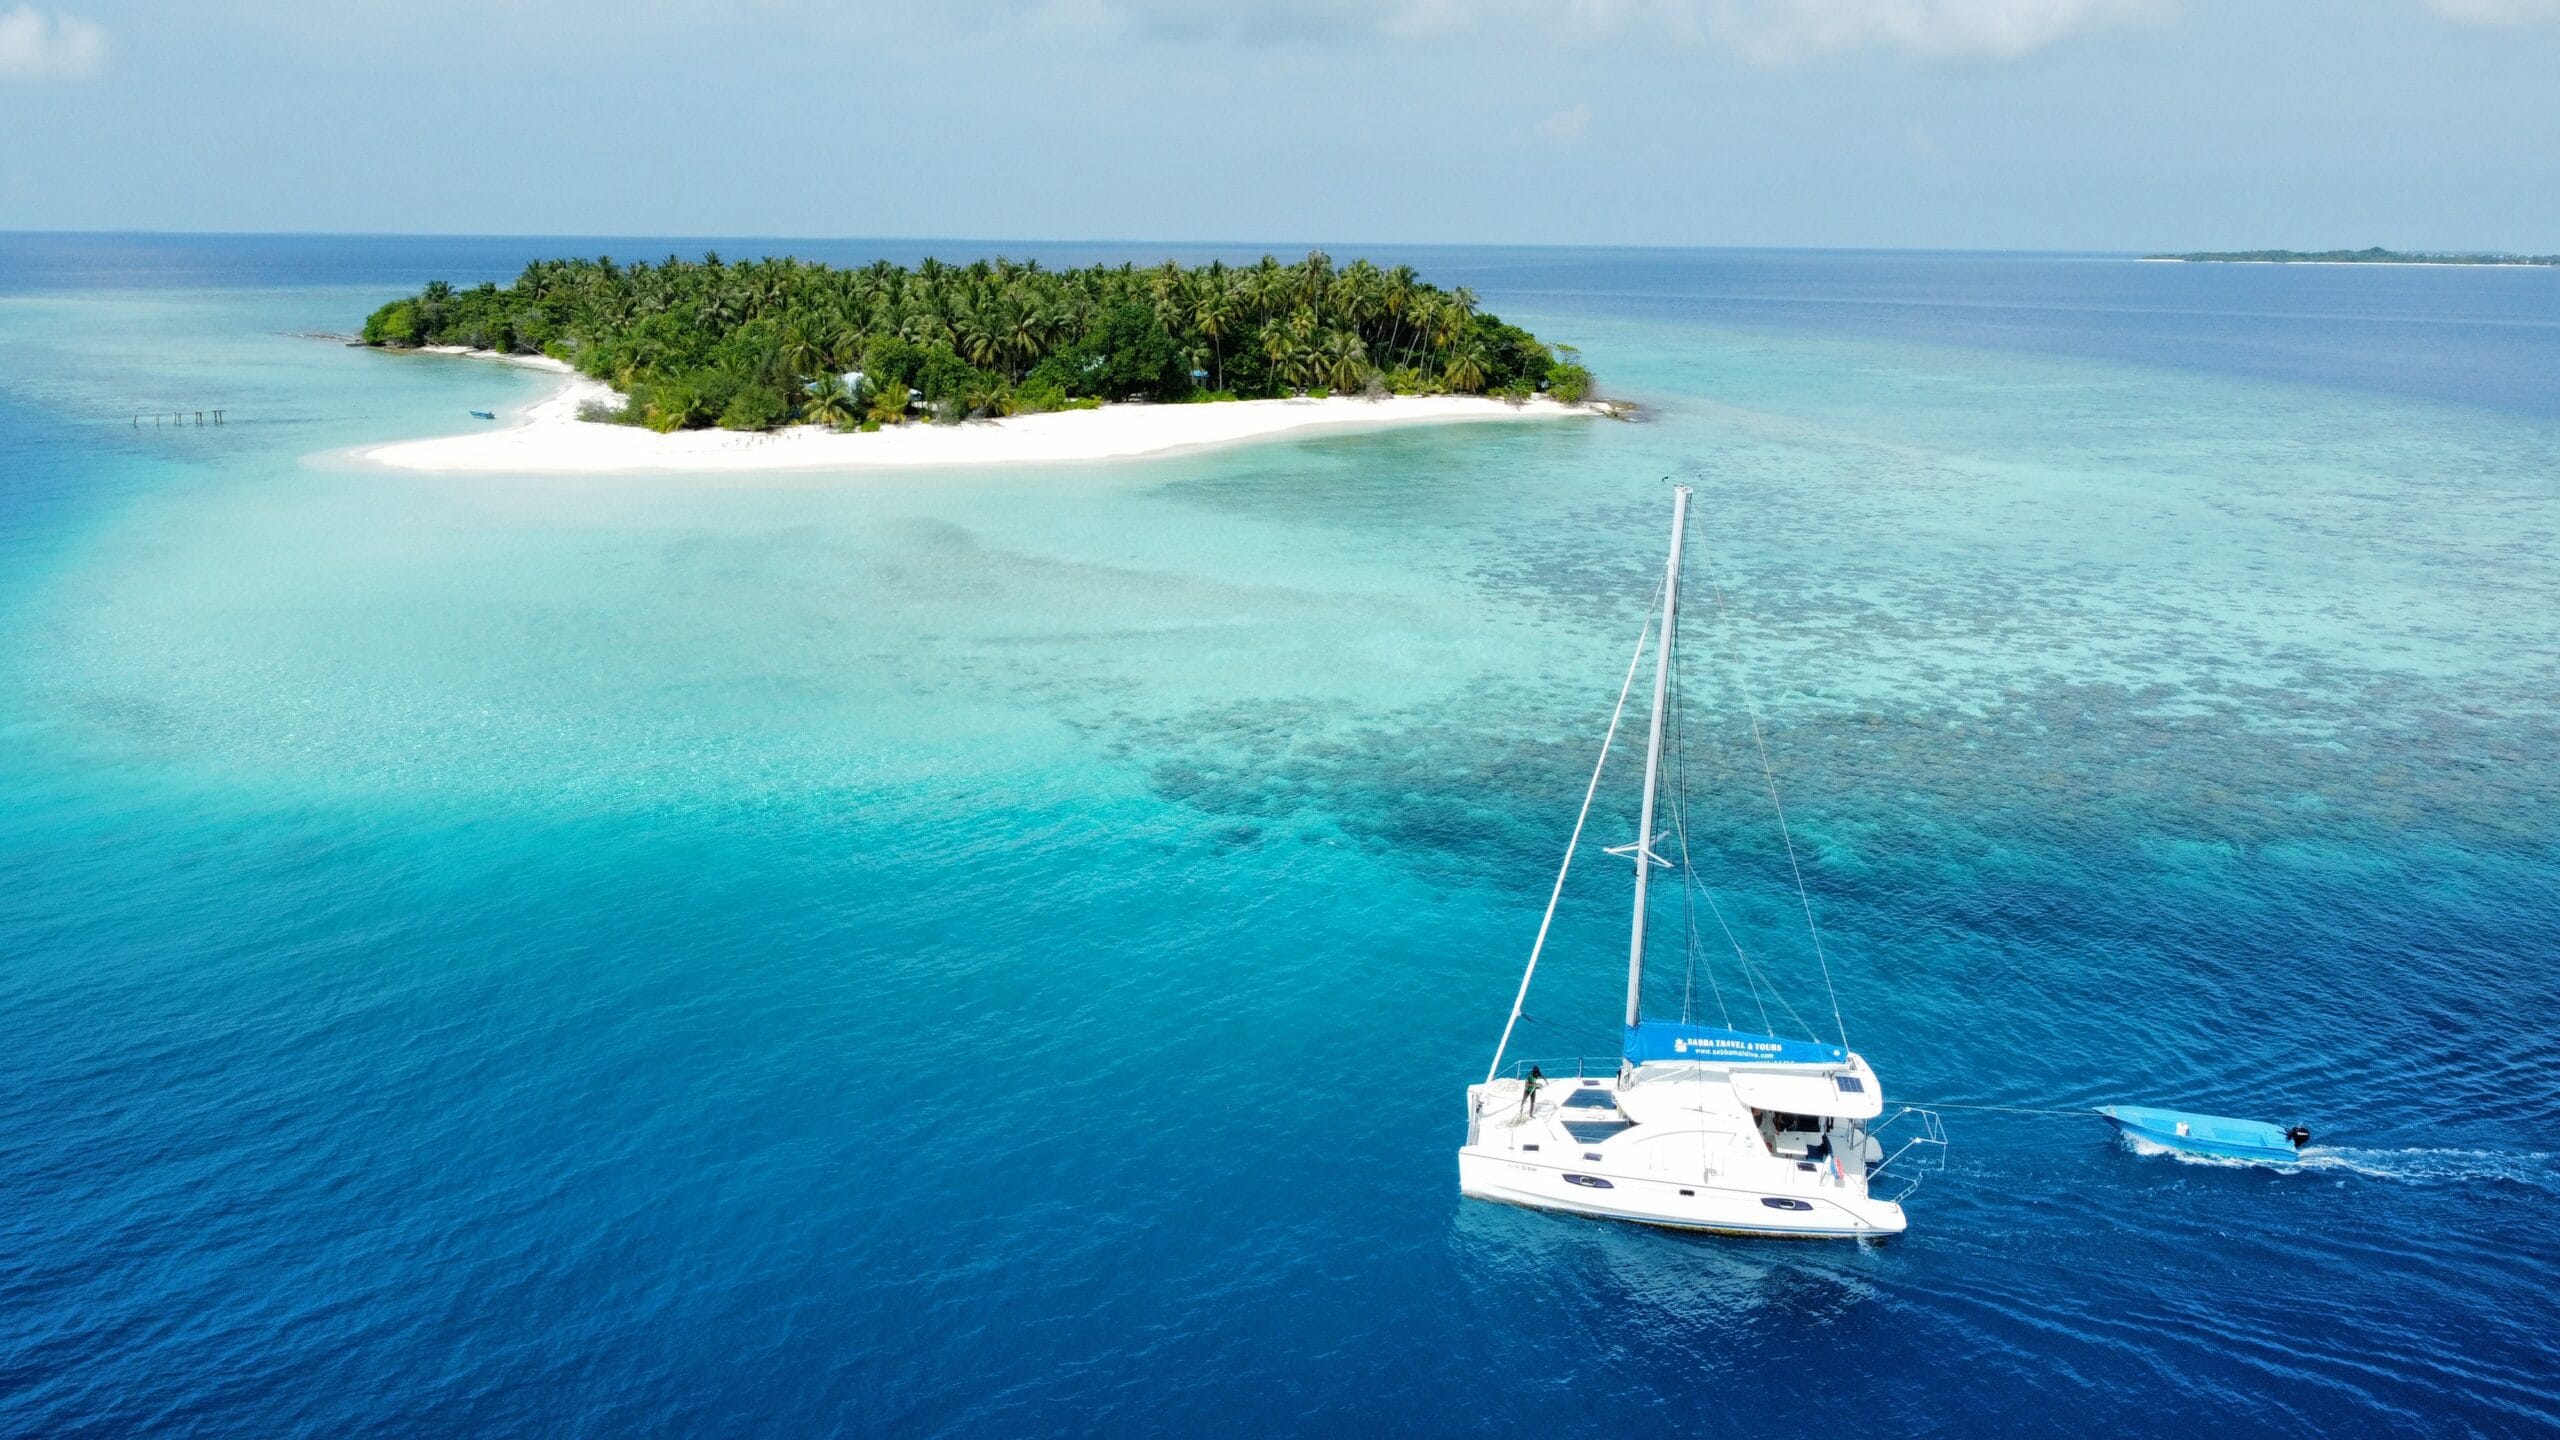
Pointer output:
758, 343
1037, 396
755, 407
884, 400
827, 402
1569, 383
1128, 353
393, 324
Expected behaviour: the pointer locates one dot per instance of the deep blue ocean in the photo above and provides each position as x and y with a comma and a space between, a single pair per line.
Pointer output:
1002, 952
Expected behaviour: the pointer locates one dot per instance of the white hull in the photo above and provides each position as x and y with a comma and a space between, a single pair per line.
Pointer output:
1689, 1156
1645, 1200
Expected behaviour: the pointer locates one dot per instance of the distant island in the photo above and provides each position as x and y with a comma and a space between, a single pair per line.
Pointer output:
2375, 255
758, 345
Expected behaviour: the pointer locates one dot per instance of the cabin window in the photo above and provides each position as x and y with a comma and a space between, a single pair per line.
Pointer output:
1774, 1202
1528, 1147
1589, 1182
1589, 1100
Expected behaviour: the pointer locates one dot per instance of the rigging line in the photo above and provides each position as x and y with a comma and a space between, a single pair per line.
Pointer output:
1680, 826
1753, 983
1570, 845
1760, 983
1689, 886
1751, 706
2002, 1109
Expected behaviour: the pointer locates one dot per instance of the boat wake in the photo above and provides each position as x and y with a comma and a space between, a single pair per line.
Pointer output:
2140, 1146
2423, 1166
2416, 1165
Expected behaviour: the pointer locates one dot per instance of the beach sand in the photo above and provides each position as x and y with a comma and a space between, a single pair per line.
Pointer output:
549, 438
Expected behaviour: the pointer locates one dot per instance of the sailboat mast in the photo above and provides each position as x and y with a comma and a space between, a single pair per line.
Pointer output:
1653, 751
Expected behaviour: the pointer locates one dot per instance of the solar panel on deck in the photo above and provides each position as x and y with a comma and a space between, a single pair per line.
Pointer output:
1851, 1084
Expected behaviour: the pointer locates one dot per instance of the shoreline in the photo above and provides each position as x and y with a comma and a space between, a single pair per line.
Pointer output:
548, 438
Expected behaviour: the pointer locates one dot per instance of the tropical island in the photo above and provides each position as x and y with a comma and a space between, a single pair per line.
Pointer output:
1008, 350
2374, 255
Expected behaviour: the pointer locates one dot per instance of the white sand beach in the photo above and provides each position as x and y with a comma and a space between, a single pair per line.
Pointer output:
547, 437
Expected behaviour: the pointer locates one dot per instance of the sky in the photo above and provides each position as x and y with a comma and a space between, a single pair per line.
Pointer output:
1998, 124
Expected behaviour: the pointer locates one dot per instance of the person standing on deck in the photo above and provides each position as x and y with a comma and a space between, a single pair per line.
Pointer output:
1529, 1090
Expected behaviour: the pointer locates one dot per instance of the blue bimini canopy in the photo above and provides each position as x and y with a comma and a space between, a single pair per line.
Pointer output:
1671, 1040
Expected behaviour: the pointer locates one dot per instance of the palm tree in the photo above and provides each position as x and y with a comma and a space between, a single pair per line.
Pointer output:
1314, 274
1211, 310
1462, 304
1346, 360
801, 353
829, 403
884, 401
1357, 294
1307, 364
1277, 347
1269, 287
1465, 367
844, 345
982, 335
923, 327
1443, 322
1400, 297
1027, 333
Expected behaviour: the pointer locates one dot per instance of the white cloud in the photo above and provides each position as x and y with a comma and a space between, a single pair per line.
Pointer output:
1775, 32
1566, 128
1768, 32
2505, 14
35, 46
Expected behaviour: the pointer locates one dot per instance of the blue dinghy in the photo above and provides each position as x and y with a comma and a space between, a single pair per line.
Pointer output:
2215, 1135
484, 415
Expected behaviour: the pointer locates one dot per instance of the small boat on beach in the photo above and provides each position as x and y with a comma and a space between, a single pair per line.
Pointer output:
484, 415
2218, 1136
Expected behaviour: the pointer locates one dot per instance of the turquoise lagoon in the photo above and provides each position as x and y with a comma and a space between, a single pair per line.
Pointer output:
1004, 950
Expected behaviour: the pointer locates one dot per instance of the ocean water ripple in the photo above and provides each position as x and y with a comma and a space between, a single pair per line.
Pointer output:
927, 956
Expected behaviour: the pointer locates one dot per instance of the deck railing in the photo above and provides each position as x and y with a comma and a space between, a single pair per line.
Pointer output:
1925, 1135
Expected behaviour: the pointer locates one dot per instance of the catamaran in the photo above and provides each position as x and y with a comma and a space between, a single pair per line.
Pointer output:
1695, 1127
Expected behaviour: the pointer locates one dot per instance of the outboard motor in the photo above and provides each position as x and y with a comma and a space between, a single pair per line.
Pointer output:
2300, 1135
